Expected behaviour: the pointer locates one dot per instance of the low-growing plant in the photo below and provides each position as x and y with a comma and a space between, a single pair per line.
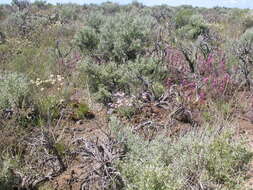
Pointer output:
126, 111
7, 179
206, 158
79, 110
14, 90
49, 107
132, 78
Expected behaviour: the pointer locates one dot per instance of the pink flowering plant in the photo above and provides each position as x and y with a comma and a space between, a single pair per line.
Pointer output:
212, 78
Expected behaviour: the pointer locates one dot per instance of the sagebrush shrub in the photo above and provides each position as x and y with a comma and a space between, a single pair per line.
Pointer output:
119, 38
7, 179
14, 89
205, 158
106, 79
195, 27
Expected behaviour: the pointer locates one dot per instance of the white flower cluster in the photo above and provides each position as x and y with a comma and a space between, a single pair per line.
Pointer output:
53, 80
121, 99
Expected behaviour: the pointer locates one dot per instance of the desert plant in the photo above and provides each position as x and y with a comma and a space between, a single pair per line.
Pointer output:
243, 49
122, 37
132, 78
182, 17
195, 160
14, 89
7, 179
21, 4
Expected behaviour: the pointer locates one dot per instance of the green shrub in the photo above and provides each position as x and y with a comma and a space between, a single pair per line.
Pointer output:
103, 79
110, 8
182, 17
209, 158
14, 89
69, 12
41, 4
122, 37
33, 62
7, 179
247, 37
49, 107
158, 89
95, 20
196, 26
80, 110
247, 22
106, 79
126, 111
87, 40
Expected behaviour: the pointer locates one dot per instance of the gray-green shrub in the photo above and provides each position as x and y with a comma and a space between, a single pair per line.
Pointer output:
106, 79
120, 38
14, 88
208, 158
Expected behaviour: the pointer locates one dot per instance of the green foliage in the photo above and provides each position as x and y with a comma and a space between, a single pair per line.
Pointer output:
14, 89
126, 111
60, 147
80, 110
95, 20
158, 89
110, 8
247, 22
106, 79
7, 179
87, 40
122, 37
41, 4
209, 157
69, 12
195, 27
247, 38
33, 61
49, 107
225, 160
182, 17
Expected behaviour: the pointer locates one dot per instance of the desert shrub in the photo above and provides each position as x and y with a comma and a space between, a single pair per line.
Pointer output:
182, 17
14, 89
21, 4
107, 79
15, 23
208, 158
162, 12
88, 40
69, 12
41, 4
195, 27
127, 35
32, 61
23, 23
247, 22
126, 111
7, 179
247, 37
80, 110
243, 50
49, 107
120, 38
49, 96
95, 20
2, 13
103, 79
110, 8
158, 89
